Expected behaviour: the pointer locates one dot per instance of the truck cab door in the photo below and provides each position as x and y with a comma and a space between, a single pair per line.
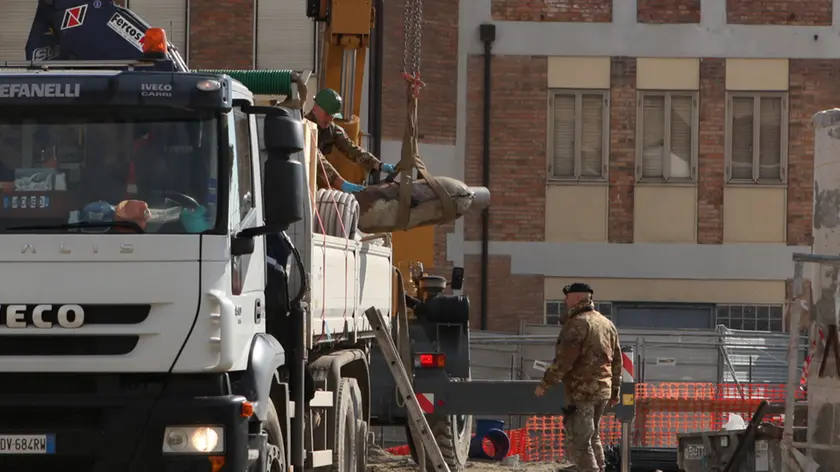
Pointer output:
245, 211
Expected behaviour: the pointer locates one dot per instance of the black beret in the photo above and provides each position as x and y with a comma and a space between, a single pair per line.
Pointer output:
578, 287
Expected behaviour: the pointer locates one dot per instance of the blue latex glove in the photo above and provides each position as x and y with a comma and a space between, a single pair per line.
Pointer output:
351, 187
389, 168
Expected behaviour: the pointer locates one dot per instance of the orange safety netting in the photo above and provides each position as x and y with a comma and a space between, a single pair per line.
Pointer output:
663, 410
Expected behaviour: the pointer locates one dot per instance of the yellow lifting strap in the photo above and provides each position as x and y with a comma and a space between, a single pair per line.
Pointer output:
410, 159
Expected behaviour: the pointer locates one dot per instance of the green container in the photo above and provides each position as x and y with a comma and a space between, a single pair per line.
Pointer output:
259, 82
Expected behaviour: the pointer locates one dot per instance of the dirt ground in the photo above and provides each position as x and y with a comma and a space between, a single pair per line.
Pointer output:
382, 461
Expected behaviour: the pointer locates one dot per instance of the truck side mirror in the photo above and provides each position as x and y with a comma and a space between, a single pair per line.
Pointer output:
283, 131
285, 179
457, 282
284, 192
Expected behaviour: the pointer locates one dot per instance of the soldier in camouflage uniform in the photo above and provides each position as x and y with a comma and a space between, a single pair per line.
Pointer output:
588, 362
327, 108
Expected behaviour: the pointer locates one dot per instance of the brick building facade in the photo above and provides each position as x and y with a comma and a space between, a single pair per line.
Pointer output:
525, 200
519, 144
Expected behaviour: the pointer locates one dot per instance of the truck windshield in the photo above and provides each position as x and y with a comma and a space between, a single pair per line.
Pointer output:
157, 168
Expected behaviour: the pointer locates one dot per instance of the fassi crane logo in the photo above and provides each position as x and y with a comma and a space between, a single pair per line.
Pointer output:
74, 17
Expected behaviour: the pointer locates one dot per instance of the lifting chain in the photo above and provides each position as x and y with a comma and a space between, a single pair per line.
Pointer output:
410, 158
413, 36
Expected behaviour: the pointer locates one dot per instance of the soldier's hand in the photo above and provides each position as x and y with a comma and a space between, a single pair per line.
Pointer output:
613, 401
539, 391
389, 168
350, 187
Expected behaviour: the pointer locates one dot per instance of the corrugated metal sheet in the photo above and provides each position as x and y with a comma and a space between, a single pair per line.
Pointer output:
660, 356
14, 29
490, 361
675, 356
758, 357
285, 36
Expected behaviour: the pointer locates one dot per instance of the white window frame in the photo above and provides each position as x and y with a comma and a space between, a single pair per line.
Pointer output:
640, 133
605, 134
783, 152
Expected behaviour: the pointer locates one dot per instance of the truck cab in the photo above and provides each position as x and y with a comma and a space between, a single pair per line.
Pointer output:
133, 315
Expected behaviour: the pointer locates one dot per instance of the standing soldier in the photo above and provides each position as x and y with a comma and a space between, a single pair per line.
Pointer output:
327, 108
588, 362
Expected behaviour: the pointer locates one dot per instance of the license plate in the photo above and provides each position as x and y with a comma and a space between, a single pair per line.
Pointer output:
27, 444
694, 451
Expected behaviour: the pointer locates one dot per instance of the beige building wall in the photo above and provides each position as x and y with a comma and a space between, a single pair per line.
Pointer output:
667, 73
590, 213
666, 213
755, 213
585, 221
757, 75
579, 72
675, 290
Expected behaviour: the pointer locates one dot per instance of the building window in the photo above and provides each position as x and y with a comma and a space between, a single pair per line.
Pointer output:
751, 317
756, 137
554, 309
579, 137
667, 136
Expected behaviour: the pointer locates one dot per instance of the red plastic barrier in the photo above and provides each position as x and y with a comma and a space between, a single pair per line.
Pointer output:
663, 411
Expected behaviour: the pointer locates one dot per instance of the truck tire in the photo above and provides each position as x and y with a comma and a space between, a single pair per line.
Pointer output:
361, 429
452, 434
345, 449
276, 450
362, 442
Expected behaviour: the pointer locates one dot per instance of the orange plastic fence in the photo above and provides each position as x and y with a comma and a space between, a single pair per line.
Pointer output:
663, 410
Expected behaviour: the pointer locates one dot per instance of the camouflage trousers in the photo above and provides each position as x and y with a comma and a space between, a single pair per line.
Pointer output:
582, 436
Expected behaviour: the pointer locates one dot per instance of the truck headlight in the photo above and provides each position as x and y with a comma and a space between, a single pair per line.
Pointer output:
193, 440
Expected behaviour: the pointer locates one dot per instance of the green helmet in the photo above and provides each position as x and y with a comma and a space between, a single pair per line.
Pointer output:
330, 101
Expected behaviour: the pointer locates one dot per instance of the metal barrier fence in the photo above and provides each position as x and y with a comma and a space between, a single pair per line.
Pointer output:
663, 410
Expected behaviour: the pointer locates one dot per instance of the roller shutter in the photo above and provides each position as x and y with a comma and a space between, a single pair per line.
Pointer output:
15, 21
285, 36
171, 15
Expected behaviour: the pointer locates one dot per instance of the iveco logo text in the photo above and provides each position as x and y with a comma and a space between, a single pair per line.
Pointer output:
156, 90
43, 316
40, 90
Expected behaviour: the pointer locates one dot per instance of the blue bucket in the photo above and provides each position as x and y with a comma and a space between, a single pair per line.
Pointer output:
493, 431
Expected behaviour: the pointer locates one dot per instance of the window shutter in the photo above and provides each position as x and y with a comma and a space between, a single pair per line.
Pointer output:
592, 136
653, 136
682, 108
770, 132
564, 136
742, 137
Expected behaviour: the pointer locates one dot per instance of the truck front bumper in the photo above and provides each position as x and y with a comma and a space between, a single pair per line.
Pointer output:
120, 431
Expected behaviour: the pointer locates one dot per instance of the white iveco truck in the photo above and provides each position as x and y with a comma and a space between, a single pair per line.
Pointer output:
141, 327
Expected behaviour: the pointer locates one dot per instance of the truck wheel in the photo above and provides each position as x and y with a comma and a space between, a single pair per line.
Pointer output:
362, 443
452, 434
275, 460
361, 427
345, 450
